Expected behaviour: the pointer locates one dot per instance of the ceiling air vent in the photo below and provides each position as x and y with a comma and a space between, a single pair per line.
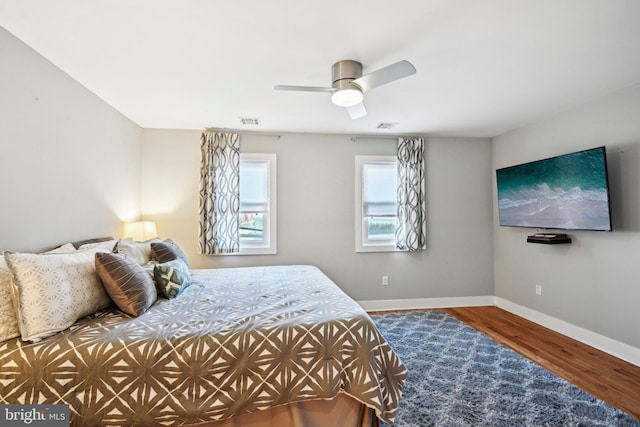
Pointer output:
386, 125
254, 121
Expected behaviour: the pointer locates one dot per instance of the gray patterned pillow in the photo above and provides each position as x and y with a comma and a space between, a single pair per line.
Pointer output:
8, 317
140, 251
148, 267
53, 291
172, 278
167, 251
128, 284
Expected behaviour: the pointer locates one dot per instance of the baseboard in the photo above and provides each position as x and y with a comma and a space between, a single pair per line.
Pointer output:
423, 303
615, 348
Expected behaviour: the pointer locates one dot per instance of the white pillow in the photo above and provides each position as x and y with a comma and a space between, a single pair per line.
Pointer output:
139, 251
54, 290
106, 246
8, 317
67, 248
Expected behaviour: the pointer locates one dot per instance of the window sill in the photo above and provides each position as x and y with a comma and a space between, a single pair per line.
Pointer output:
251, 251
378, 248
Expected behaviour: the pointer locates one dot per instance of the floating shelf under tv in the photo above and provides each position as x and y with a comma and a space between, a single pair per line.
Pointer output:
549, 238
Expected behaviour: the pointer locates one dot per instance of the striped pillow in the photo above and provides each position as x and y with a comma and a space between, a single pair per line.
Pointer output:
126, 282
167, 251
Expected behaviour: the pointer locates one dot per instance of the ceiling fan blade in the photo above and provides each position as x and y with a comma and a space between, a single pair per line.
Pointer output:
303, 88
384, 75
357, 111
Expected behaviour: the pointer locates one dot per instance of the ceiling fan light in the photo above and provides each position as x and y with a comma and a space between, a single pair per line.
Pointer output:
347, 97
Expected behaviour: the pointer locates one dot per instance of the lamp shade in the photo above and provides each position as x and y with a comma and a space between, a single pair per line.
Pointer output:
140, 230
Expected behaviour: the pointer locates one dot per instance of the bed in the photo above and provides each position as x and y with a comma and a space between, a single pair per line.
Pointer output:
258, 346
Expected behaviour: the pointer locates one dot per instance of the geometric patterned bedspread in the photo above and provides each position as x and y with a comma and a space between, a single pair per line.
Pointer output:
238, 340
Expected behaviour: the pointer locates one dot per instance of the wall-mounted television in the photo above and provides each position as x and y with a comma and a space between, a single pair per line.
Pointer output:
568, 192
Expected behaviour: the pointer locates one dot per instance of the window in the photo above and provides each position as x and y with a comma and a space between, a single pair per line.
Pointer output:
257, 204
376, 203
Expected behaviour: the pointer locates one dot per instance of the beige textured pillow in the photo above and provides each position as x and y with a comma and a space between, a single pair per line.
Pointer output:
8, 316
53, 291
128, 284
139, 251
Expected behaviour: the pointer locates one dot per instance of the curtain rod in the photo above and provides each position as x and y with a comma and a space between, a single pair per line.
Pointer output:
276, 136
394, 137
243, 133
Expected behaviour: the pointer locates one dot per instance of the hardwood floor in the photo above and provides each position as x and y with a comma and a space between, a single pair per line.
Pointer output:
610, 379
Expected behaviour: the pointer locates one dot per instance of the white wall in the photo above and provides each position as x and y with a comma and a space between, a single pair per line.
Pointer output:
69, 163
594, 282
316, 211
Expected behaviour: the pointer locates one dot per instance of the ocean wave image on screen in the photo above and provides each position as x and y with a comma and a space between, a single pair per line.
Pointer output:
565, 192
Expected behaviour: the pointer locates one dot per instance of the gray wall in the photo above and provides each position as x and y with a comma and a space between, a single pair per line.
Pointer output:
72, 167
316, 213
69, 163
594, 282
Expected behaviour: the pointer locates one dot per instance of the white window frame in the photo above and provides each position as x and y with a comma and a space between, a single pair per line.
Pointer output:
269, 244
363, 243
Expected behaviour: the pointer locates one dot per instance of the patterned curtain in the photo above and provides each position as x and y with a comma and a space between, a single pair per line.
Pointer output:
411, 230
220, 193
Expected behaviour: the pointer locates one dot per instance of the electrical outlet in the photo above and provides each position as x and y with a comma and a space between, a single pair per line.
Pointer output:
538, 290
385, 280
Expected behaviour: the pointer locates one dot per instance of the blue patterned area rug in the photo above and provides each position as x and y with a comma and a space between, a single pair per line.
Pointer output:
460, 377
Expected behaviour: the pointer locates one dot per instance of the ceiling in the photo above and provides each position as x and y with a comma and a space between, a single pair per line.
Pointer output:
483, 66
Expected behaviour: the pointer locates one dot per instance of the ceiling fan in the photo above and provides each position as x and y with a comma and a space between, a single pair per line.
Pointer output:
348, 83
